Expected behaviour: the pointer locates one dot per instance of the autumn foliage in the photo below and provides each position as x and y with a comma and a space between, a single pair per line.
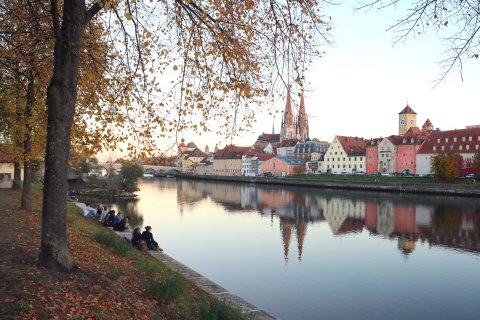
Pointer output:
447, 166
106, 284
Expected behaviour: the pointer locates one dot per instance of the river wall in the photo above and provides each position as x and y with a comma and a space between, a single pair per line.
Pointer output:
451, 189
247, 309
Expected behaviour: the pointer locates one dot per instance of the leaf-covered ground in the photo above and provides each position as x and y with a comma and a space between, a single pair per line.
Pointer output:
108, 283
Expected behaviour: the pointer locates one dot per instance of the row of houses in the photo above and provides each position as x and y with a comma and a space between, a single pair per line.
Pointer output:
409, 152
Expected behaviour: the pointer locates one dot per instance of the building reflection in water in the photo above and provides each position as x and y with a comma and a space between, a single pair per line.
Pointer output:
438, 221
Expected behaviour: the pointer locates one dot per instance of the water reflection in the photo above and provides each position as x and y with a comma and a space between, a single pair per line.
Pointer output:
438, 221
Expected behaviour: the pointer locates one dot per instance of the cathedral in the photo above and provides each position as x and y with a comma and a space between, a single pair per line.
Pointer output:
294, 127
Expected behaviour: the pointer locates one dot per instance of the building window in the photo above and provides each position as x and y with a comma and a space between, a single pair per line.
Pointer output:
446, 139
438, 140
476, 147
463, 139
443, 147
361, 166
451, 148
467, 147
349, 166
434, 148
470, 138
343, 158
460, 147
343, 166
454, 139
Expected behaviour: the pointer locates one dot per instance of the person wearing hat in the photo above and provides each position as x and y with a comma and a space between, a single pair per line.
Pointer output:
148, 237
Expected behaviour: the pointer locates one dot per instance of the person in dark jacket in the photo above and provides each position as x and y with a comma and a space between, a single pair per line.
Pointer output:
108, 222
122, 225
137, 240
148, 237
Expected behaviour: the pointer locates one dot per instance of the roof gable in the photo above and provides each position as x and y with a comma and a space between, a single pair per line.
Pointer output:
353, 146
408, 110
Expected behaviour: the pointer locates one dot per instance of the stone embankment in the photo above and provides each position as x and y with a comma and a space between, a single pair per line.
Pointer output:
246, 308
451, 189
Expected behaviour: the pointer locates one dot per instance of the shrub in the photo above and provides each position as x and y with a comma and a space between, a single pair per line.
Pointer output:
218, 310
113, 241
168, 289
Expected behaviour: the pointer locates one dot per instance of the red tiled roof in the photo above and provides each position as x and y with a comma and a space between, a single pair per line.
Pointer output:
288, 143
403, 140
374, 141
413, 132
407, 109
196, 153
231, 152
438, 139
427, 124
269, 137
191, 145
265, 156
353, 146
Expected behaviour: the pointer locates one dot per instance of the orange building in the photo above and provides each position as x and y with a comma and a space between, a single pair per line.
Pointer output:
284, 166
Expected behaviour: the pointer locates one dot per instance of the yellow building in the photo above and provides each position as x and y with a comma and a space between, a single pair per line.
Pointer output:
228, 161
406, 118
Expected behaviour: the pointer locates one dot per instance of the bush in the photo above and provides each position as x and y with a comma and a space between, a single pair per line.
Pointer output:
113, 241
168, 289
218, 310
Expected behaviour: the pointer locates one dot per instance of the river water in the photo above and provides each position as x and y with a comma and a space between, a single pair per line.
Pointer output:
306, 253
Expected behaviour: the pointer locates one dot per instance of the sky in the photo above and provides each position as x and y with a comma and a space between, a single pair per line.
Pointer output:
364, 80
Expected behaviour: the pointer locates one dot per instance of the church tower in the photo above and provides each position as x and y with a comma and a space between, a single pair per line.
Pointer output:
288, 129
302, 121
406, 118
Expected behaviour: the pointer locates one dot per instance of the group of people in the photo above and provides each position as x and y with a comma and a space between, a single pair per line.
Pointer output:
109, 218
144, 240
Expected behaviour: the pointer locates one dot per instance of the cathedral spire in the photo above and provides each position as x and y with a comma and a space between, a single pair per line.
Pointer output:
303, 120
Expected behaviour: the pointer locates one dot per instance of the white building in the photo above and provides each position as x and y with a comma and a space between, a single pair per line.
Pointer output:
464, 142
345, 155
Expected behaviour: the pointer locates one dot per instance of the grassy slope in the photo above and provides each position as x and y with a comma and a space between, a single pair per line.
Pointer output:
112, 281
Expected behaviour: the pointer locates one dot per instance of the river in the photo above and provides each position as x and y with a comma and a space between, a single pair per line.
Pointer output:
305, 253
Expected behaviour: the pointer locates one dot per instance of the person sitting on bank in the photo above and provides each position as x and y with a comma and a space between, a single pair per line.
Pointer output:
117, 218
72, 196
122, 225
103, 215
137, 240
108, 222
89, 212
148, 237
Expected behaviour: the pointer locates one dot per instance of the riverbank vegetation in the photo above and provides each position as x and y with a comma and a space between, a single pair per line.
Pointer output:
111, 279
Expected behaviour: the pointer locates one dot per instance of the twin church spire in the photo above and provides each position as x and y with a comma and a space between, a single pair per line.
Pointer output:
294, 127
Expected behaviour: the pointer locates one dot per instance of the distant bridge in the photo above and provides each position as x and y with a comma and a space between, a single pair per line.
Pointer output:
147, 168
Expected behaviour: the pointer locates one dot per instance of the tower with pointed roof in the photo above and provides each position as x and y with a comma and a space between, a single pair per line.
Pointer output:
294, 127
288, 128
302, 121
406, 118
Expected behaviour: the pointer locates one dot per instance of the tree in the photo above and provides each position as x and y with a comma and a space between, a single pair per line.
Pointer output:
129, 174
476, 162
446, 166
456, 22
227, 54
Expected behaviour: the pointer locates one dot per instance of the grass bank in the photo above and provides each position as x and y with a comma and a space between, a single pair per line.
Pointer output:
112, 280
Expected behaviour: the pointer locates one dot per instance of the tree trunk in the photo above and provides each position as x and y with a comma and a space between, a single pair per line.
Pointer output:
61, 98
17, 176
26, 203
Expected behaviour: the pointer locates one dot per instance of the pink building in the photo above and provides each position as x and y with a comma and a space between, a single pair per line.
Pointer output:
371, 165
284, 166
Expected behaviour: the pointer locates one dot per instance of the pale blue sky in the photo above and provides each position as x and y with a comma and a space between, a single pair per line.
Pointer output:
361, 83
364, 81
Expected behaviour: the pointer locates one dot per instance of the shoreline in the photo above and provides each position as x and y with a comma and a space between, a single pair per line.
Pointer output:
249, 310
450, 189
